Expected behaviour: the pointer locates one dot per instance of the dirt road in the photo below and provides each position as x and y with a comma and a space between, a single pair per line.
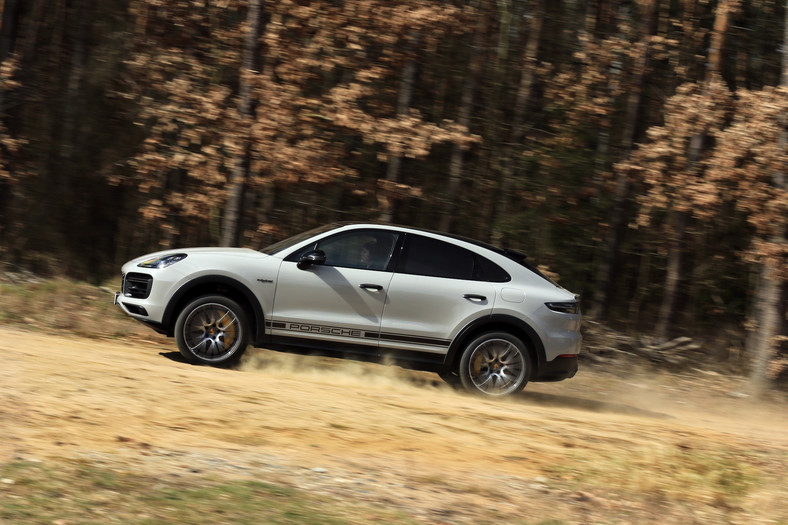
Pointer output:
570, 451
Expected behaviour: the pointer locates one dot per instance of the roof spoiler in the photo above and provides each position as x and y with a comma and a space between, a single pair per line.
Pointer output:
514, 255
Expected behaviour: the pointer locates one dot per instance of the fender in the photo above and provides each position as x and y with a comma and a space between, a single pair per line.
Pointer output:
497, 322
209, 284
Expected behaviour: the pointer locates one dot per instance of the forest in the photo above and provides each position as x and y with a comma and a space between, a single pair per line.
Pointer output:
635, 149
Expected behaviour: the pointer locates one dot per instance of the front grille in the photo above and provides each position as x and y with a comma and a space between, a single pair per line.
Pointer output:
137, 285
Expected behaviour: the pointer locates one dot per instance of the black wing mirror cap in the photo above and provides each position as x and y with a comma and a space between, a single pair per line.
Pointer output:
317, 257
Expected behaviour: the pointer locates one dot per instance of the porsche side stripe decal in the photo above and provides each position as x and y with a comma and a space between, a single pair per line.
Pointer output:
356, 333
401, 338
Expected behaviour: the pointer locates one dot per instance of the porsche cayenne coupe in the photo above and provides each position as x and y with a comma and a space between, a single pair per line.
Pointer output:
481, 317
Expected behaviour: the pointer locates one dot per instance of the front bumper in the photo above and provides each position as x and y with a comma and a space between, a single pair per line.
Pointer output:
144, 297
135, 311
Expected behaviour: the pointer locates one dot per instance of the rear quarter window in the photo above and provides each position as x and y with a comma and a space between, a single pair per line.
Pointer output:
435, 258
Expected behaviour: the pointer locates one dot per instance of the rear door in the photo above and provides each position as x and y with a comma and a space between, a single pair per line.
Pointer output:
436, 290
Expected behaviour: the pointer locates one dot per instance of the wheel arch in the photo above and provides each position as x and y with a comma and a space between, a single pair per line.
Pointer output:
497, 322
219, 285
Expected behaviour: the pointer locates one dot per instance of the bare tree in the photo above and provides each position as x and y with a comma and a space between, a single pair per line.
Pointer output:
622, 188
456, 162
250, 65
528, 63
404, 96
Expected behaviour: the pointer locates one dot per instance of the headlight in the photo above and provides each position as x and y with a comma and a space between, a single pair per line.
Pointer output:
162, 261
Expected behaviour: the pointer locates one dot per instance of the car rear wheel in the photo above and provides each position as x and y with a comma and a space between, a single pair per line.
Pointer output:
495, 364
212, 330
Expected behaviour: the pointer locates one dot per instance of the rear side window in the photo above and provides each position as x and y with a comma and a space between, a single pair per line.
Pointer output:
486, 270
434, 258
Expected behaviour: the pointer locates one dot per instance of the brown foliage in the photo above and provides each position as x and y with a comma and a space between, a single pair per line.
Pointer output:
186, 76
671, 166
746, 167
750, 165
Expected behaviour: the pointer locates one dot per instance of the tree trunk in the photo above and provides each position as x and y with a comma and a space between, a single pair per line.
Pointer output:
495, 128
404, 97
768, 319
71, 109
8, 28
529, 63
784, 74
768, 312
672, 274
678, 223
722, 21
29, 40
250, 63
8, 36
463, 119
722, 18
604, 275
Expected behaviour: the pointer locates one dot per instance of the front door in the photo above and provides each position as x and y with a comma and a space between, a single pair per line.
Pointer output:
340, 301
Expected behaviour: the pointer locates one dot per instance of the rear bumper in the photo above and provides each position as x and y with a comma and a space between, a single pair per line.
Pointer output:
562, 367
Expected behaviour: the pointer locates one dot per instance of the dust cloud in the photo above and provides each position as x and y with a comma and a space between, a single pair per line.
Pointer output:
341, 372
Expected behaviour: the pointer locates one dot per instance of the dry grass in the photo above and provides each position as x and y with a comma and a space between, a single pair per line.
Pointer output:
62, 305
77, 492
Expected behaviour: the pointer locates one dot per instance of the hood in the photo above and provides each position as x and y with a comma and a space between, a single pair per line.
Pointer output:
163, 255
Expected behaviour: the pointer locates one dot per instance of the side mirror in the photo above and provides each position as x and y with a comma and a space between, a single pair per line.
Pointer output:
315, 257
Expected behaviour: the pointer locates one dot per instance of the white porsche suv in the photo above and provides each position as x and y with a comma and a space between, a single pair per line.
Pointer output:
479, 316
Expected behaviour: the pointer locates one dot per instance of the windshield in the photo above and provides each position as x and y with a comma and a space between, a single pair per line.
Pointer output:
295, 239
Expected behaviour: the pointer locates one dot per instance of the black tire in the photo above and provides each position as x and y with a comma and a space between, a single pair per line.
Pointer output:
495, 364
212, 330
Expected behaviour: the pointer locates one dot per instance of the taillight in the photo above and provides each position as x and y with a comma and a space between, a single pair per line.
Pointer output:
568, 307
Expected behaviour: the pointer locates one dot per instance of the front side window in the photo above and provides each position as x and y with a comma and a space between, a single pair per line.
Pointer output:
367, 249
435, 258
295, 239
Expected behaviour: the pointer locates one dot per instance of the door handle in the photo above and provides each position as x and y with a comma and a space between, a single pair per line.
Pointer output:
474, 297
371, 287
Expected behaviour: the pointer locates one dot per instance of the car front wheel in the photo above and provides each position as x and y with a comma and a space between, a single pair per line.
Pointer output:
495, 364
212, 330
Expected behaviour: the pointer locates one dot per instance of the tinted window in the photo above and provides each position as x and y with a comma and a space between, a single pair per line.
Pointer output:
295, 239
427, 256
487, 270
370, 249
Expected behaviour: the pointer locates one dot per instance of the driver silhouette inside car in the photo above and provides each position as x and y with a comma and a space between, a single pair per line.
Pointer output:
373, 256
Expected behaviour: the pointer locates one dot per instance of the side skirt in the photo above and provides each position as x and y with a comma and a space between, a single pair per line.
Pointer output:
358, 352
